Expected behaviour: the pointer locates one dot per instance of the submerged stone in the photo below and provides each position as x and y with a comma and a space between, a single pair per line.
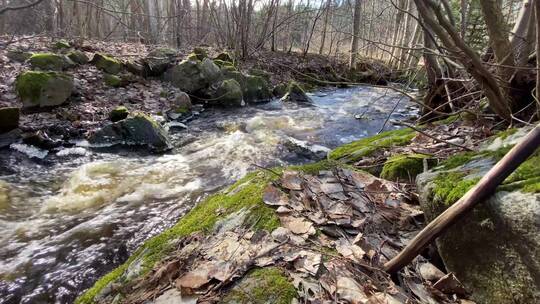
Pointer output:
295, 93
107, 63
9, 119
50, 61
139, 129
44, 89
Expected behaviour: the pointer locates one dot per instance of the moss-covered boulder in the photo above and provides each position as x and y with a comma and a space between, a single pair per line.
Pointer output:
228, 93
295, 93
118, 113
264, 285
405, 167
61, 45
158, 61
495, 249
261, 73
50, 62
279, 90
9, 119
78, 57
256, 88
18, 55
354, 151
138, 130
43, 89
115, 81
107, 63
200, 53
193, 76
181, 103
225, 56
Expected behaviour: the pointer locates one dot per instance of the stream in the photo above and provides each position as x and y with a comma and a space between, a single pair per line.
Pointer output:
70, 217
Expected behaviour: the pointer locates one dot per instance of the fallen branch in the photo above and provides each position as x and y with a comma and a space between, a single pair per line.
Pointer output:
485, 187
20, 7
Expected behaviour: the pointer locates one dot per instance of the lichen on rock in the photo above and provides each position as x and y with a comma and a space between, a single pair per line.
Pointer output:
43, 89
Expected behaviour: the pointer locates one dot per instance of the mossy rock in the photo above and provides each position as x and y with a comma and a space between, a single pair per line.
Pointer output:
9, 119
256, 88
263, 285
261, 73
404, 168
119, 113
225, 57
18, 55
113, 80
78, 57
44, 89
193, 76
107, 63
295, 93
228, 93
224, 64
137, 130
200, 53
354, 151
61, 45
495, 248
280, 90
50, 62
158, 61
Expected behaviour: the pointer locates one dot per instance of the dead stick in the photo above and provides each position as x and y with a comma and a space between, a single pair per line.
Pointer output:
485, 187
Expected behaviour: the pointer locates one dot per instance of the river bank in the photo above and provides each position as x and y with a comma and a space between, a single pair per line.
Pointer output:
294, 228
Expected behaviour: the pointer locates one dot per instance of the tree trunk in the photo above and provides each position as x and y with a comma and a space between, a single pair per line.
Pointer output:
355, 33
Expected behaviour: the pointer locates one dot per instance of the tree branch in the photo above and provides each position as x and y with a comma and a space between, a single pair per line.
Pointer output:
20, 7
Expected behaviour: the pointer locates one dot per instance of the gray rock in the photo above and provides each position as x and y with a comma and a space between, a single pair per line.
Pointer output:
193, 76
139, 129
18, 55
50, 62
296, 94
107, 63
227, 93
78, 57
157, 61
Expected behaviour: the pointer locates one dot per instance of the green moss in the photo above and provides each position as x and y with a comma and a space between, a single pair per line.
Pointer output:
225, 56
112, 80
118, 114
30, 83
107, 63
403, 167
224, 64
526, 177
88, 296
78, 57
61, 44
50, 61
505, 133
458, 160
356, 150
451, 186
200, 53
263, 285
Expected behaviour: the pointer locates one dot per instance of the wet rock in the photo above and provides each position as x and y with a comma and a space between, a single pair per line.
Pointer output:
118, 114
296, 94
139, 129
41, 140
9, 119
256, 88
78, 57
50, 62
192, 76
495, 249
228, 93
107, 63
44, 89
8, 138
18, 55
158, 61
279, 90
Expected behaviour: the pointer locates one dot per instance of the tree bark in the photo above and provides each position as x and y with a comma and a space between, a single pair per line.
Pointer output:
355, 33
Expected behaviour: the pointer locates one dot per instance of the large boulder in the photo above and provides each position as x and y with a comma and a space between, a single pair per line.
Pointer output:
295, 93
9, 119
139, 129
256, 88
494, 250
193, 76
78, 57
158, 61
107, 63
227, 93
50, 62
44, 89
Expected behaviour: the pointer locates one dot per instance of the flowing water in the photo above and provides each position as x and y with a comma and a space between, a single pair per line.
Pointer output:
68, 218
